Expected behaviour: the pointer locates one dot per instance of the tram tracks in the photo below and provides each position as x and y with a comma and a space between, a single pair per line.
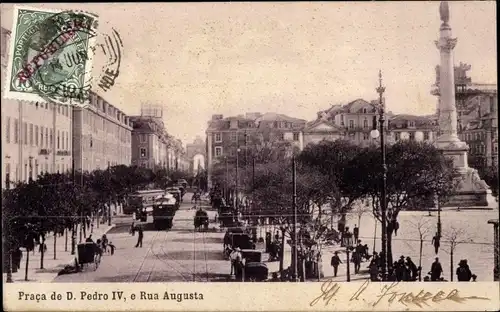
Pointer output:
139, 271
158, 252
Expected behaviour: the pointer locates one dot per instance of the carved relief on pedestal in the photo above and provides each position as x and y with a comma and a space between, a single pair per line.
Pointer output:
447, 124
474, 182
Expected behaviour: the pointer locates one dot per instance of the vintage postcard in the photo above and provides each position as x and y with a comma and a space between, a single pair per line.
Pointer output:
250, 156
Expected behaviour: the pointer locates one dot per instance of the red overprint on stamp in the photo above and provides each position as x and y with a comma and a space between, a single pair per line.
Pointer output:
68, 28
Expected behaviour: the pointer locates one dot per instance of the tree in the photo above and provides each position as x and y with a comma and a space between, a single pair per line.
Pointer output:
333, 159
161, 178
454, 237
273, 196
415, 170
423, 230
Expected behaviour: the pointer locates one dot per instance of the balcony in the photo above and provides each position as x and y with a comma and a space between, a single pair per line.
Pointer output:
63, 153
44, 151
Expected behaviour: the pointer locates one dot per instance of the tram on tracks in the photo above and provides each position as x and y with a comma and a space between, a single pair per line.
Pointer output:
164, 208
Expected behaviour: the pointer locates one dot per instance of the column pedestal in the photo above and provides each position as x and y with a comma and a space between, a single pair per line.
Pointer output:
471, 190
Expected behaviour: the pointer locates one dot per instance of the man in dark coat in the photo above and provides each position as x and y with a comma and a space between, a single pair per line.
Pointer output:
464, 273
435, 242
335, 263
436, 270
355, 232
412, 268
140, 237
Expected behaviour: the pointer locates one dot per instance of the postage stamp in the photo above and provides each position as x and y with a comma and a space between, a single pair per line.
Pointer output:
50, 54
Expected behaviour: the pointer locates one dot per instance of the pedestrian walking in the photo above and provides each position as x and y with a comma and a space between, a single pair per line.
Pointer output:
112, 247
412, 267
396, 227
463, 272
140, 237
355, 231
16, 259
104, 243
335, 263
235, 255
435, 242
356, 258
436, 270
92, 227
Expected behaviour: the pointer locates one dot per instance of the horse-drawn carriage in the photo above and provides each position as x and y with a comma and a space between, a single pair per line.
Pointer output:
201, 220
89, 254
255, 269
237, 238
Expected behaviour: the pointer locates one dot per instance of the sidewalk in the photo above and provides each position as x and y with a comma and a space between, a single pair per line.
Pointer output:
326, 268
51, 266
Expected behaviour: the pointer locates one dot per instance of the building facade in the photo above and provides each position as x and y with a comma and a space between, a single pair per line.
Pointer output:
101, 135
477, 116
354, 122
227, 136
413, 127
149, 142
36, 136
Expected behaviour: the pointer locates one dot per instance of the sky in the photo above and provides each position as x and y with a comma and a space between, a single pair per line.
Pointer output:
297, 58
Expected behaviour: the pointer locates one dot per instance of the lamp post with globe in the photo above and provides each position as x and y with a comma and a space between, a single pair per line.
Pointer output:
383, 200
238, 150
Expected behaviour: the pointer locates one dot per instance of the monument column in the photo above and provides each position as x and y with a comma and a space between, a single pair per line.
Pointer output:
447, 108
471, 190
448, 140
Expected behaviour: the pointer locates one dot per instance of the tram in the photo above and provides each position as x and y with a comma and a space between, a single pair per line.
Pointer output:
164, 208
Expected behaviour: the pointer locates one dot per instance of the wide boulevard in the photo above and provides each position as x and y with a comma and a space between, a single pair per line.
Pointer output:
177, 255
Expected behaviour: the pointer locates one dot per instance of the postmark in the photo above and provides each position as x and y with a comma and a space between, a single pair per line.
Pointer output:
52, 56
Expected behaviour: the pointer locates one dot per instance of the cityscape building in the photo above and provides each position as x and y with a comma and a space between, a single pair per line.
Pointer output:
101, 135
36, 136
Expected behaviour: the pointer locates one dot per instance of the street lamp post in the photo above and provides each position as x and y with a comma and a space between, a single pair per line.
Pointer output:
438, 206
348, 243
383, 200
237, 178
253, 180
294, 207
226, 185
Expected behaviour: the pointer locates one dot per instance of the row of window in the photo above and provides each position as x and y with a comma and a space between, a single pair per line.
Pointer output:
61, 109
33, 170
102, 146
234, 137
473, 136
106, 108
98, 123
35, 135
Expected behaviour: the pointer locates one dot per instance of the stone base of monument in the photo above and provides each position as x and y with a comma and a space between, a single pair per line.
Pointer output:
472, 192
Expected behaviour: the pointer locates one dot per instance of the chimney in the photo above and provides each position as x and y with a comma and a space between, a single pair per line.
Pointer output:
217, 117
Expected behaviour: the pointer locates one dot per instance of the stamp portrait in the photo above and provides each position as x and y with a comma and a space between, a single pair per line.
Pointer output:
50, 54
250, 156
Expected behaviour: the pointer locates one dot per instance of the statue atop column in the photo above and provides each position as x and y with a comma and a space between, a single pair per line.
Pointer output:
444, 12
